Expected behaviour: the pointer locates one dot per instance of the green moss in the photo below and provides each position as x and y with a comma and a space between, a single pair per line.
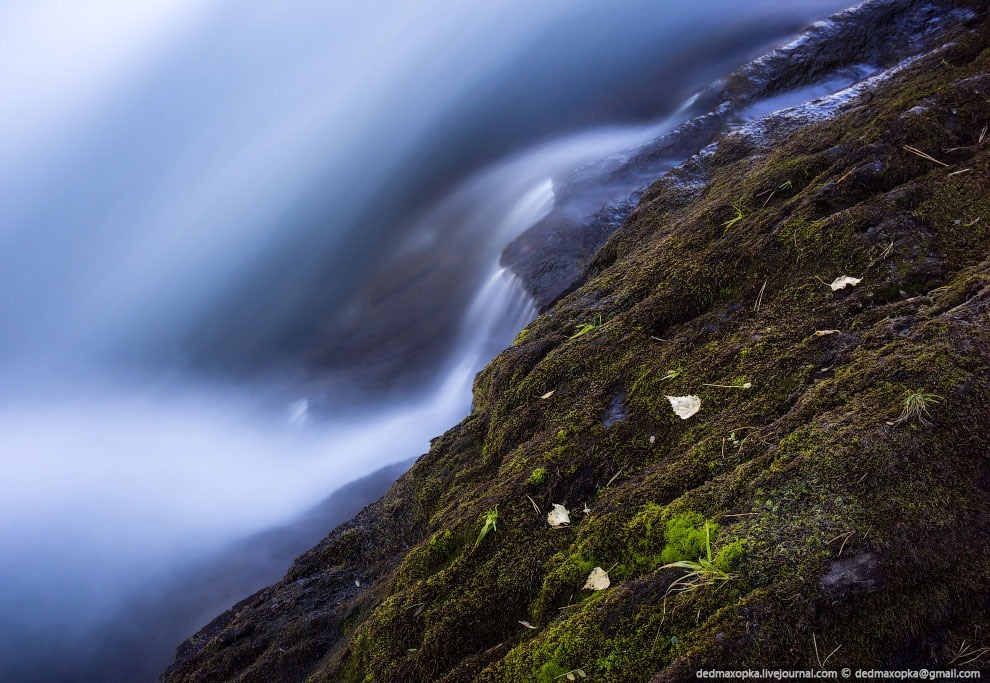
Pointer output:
537, 476
685, 537
730, 555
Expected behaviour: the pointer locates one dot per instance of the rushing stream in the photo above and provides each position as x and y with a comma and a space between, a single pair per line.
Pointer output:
249, 254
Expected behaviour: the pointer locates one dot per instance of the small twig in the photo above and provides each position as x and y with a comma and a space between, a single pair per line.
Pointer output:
844, 177
967, 651
742, 514
535, 506
965, 170
769, 198
842, 547
915, 150
612, 479
836, 538
494, 647
821, 663
759, 297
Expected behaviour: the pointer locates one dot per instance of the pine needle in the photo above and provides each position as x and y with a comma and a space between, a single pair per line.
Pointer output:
915, 150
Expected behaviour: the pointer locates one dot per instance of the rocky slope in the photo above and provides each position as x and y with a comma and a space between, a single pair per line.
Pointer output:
839, 461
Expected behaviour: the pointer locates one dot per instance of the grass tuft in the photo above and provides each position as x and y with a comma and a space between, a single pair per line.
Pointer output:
585, 328
915, 408
703, 572
488, 521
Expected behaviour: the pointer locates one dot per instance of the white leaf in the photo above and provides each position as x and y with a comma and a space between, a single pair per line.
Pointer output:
653, 439
844, 280
684, 406
558, 517
597, 580
527, 625
548, 394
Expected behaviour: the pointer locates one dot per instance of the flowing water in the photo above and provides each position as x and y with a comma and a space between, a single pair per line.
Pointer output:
249, 254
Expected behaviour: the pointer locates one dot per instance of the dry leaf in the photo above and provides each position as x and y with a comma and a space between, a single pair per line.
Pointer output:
548, 394
843, 281
527, 625
558, 517
570, 676
822, 333
684, 406
597, 580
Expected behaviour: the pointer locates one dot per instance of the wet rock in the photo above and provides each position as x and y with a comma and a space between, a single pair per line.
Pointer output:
551, 258
852, 573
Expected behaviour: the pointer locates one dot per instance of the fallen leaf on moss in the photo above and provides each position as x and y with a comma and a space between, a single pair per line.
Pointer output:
558, 517
843, 281
597, 580
548, 394
684, 406
822, 333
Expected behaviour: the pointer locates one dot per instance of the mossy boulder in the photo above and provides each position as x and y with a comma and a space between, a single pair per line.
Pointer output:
843, 525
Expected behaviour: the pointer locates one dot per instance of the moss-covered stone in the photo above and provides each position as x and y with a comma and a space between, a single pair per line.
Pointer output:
840, 524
